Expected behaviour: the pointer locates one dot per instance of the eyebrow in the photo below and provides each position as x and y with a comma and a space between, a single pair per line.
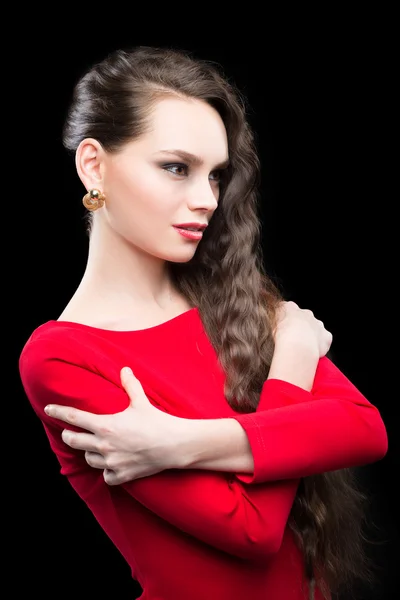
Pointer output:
192, 158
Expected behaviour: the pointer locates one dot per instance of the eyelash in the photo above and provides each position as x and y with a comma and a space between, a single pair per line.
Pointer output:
170, 166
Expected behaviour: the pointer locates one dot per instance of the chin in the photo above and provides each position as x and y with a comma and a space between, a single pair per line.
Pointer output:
181, 257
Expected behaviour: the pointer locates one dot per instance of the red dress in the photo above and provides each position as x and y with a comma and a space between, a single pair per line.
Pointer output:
197, 534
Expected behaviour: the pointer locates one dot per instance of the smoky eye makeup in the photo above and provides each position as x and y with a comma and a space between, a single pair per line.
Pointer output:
181, 169
175, 168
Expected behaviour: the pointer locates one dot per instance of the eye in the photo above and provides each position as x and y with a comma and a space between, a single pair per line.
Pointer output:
216, 175
176, 169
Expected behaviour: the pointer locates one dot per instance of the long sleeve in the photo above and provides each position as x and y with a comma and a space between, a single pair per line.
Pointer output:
219, 509
295, 433
248, 522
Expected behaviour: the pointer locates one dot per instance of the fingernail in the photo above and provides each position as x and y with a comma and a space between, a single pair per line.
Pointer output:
126, 371
47, 409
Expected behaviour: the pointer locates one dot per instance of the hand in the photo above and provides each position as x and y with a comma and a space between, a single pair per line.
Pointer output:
295, 324
136, 442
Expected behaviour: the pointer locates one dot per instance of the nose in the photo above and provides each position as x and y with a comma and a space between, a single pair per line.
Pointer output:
202, 195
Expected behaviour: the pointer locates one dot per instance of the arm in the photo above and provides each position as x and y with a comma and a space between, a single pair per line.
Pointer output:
229, 444
223, 444
248, 522
293, 433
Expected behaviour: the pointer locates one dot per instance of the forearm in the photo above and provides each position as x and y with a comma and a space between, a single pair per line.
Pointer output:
294, 362
215, 445
222, 444
246, 521
296, 433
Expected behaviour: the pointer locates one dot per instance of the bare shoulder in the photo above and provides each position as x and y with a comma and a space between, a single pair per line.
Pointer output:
123, 318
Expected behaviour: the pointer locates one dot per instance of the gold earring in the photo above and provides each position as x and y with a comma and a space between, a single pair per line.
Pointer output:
93, 200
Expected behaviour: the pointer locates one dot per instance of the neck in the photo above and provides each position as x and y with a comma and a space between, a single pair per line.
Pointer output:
118, 271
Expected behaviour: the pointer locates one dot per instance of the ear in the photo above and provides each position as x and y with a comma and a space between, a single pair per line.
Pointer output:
88, 161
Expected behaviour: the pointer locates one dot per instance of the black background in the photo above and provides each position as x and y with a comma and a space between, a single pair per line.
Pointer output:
321, 97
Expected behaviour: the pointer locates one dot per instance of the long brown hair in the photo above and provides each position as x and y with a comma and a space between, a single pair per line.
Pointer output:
226, 278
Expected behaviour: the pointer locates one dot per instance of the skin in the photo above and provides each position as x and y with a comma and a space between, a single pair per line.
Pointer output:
126, 286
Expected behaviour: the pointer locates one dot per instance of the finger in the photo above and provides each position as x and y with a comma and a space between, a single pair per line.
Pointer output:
80, 441
111, 478
131, 385
127, 376
291, 303
73, 416
95, 460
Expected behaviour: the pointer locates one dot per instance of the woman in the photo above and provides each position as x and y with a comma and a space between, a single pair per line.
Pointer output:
232, 447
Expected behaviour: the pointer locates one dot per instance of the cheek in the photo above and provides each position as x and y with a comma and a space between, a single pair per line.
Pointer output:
125, 184
147, 192
216, 190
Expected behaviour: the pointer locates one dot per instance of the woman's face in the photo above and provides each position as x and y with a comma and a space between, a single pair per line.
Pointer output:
167, 177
